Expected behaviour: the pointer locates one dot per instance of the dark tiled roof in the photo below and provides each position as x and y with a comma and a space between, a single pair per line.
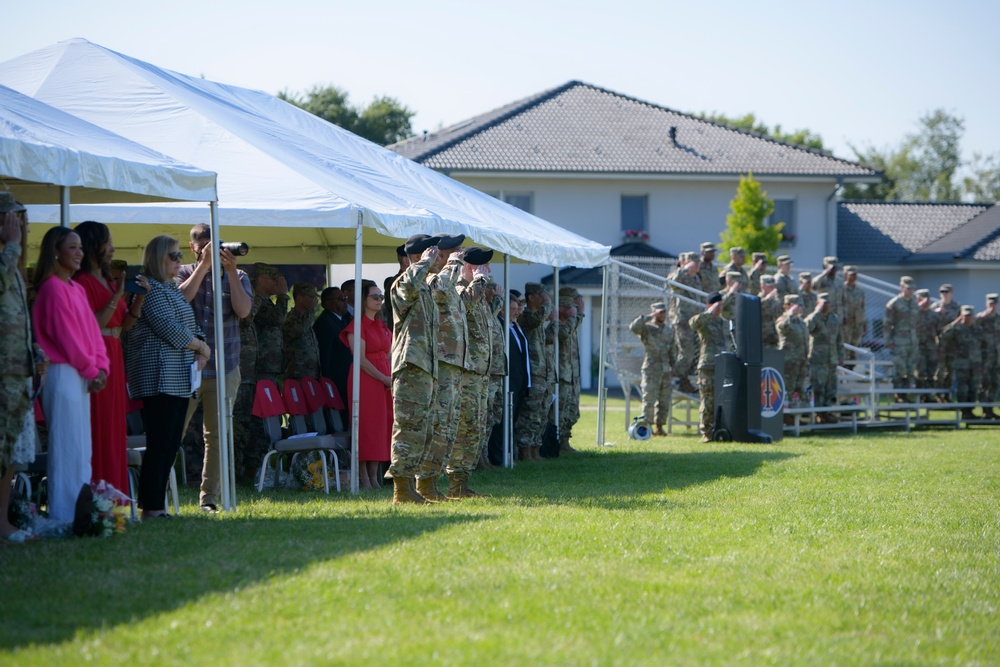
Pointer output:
898, 232
594, 277
580, 128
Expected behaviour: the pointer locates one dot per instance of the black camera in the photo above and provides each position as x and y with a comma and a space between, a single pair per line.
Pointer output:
238, 248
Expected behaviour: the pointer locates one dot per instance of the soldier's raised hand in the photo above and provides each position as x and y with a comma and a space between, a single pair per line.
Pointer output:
10, 231
431, 253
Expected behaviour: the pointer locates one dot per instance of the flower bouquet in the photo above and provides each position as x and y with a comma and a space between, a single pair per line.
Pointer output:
21, 513
109, 511
307, 471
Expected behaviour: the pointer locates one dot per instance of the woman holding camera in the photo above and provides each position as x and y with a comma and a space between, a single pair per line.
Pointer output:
162, 347
66, 330
109, 458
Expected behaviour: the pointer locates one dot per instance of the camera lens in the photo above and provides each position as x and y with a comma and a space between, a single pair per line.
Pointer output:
236, 247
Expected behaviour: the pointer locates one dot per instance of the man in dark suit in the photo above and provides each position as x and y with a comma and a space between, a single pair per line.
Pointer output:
519, 373
334, 357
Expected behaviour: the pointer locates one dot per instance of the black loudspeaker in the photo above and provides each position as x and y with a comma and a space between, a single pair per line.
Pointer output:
749, 347
737, 378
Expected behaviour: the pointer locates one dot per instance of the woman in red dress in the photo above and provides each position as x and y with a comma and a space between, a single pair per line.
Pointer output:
109, 458
375, 418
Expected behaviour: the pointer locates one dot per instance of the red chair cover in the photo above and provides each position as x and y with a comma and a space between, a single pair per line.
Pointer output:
315, 396
333, 398
295, 399
267, 400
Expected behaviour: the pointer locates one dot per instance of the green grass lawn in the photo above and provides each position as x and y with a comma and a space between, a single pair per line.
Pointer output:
835, 550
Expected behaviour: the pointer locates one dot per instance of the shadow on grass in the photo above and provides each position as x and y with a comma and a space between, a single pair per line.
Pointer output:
627, 480
55, 589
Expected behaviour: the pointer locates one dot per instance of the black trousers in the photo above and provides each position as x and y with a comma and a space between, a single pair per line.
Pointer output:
163, 417
494, 448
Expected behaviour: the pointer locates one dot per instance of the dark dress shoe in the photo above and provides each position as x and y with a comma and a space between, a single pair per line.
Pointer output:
83, 522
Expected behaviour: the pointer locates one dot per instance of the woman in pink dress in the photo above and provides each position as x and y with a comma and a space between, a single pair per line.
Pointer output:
375, 409
109, 458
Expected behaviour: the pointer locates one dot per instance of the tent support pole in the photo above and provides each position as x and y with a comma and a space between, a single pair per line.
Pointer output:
64, 206
225, 434
555, 356
508, 451
602, 394
356, 325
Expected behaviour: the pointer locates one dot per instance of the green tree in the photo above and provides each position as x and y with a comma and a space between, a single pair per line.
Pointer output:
385, 121
982, 182
745, 224
749, 122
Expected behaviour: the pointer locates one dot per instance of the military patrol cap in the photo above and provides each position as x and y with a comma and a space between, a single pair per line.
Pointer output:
707, 246
533, 288
767, 280
447, 241
907, 281
304, 289
830, 261
714, 297
760, 256
734, 275
262, 269
993, 296
968, 310
850, 268
923, 293
475, 256
805, 275
823, 296
784, 259
792, 298
945, 288
658, 306
8, 203
416, 244
737, 250
569, 290
566, 301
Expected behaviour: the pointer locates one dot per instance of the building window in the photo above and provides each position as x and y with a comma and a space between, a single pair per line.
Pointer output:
521, 200
635, 217
784, 211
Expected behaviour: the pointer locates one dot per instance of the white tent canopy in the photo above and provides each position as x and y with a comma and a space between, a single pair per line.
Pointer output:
43, 148
279, 167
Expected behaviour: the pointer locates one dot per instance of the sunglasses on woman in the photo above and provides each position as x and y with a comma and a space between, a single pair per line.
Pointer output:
176, 256
377, 297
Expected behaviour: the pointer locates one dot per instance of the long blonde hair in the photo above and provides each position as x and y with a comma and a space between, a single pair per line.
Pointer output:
154, 256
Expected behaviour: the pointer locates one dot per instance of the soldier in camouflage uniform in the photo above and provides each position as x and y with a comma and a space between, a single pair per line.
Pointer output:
711, 333
298, 339
570, 320
961, 342
793, 340
771, 308
453, 363
927, 341
269, 316
855, 322
989, 329
829, 282
414, 366
498, 368
737, 260
706, 270
825, 353
784, 281
534, 321
899, 331
248, 440
657, 340
948, 310
806, 292
680, 313
757, 271
734, 284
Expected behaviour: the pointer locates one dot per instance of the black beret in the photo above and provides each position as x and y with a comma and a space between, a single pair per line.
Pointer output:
417, 243
714, 297
447, 241
476, 256
401, 250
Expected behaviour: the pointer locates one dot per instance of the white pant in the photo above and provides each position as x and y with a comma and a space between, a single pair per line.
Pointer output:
66, 404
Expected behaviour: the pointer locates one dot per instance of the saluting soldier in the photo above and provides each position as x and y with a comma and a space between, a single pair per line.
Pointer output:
829, 282
706, 270
961, 343
927, 341
657, 340
737, 259
784, 281
298, 338
770, 310
533, 321
243, 440
681, 312
948, 310
825, 353
899, 331
757, 271
806, 292
414, 366
989, 327
498, 367
711, 333
855, 323
793, 340
570, 318
268, 318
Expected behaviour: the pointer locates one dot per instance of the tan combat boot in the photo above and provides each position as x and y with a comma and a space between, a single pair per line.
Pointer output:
427, 488
564, 445
536, 454
402, 494
455, 488
658, 430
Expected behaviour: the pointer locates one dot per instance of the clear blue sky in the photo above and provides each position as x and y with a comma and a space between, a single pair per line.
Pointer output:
855, 72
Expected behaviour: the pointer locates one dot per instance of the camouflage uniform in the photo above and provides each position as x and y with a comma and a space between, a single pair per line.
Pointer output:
755, 274
962, 345
770, 310
300, 345
944, 378
899, 330
927, 347
808, 297
784, 282
498, 369
711, 333
680, 313
269, 318
708, 274
247, 440
453, 360
855, 322
657, 340
16, 352
414, 368
833, 286
825, 344
531, 419
569, 370
989, 333
793, 340
744, 279
475, 379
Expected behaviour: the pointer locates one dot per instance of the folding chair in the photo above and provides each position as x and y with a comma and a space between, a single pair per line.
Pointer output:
135, 441
269, 407
334, 403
